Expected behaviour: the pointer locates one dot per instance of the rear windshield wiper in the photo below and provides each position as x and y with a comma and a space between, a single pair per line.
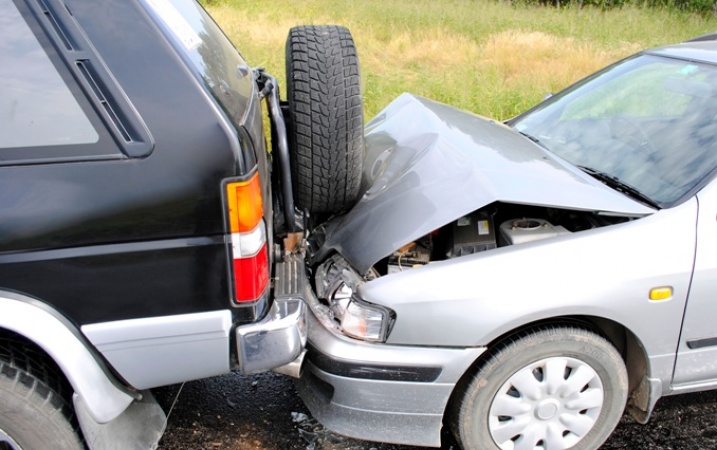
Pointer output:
619, 185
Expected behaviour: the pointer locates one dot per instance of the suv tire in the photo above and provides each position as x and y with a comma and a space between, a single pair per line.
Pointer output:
34, 412
325, 120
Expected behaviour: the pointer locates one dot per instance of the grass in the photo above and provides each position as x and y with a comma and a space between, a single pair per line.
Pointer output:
489, 57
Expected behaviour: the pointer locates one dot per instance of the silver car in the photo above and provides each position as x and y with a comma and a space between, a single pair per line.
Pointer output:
525, 282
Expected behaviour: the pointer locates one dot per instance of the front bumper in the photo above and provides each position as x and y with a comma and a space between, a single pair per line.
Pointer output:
279, 339
378, 392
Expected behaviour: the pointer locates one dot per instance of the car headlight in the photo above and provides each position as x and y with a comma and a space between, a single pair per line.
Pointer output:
336, 284
360, 319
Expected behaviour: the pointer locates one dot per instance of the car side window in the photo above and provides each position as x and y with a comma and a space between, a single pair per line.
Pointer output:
36, 105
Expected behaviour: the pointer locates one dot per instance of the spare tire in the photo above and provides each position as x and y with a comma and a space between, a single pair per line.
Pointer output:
325, 121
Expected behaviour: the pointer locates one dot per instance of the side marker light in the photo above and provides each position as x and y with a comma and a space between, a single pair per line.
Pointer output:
661, 293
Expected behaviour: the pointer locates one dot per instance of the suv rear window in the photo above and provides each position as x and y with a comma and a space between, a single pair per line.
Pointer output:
45, 115
37, 107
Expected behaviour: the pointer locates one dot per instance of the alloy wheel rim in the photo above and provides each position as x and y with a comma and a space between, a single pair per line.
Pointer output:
7, 443
550, 404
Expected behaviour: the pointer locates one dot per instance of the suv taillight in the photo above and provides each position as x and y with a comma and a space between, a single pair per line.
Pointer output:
248, 237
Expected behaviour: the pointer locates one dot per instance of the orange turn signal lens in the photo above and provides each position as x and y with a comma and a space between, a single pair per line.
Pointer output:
245, 204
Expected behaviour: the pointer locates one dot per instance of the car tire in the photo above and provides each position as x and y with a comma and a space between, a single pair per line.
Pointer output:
325, 120
551, 387
34, 408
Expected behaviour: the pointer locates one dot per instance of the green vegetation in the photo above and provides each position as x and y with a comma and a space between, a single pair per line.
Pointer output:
698, 6
494, 58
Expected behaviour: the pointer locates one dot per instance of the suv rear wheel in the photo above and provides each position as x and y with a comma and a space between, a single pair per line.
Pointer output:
325, 117
34, 412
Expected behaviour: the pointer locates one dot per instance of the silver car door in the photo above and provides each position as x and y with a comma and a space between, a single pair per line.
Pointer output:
697, 351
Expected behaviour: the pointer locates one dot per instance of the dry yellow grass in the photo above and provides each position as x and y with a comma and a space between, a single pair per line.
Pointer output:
407, 50
555, 61
485, 56
256, 31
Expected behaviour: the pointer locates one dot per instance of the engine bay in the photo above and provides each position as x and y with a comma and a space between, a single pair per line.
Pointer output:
491, 227
494, 226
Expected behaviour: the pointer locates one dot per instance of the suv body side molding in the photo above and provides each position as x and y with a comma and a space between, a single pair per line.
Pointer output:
155, 351
103, 395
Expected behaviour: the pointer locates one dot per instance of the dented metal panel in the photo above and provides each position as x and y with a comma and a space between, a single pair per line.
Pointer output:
428, 164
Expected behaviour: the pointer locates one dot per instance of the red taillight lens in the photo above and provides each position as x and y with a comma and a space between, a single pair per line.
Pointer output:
251, 276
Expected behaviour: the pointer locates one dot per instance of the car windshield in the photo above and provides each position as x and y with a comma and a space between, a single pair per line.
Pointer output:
647, 123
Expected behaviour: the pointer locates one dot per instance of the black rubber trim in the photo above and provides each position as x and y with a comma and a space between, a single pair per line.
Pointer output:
352, 369
702, 343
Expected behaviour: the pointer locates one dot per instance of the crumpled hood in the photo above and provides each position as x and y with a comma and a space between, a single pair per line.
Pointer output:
428, 164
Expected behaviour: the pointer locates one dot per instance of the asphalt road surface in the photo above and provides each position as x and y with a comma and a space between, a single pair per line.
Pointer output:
264, 412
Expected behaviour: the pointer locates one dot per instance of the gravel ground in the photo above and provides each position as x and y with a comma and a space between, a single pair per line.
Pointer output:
264, 412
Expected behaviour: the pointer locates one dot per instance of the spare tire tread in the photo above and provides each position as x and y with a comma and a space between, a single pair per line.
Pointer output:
326, 117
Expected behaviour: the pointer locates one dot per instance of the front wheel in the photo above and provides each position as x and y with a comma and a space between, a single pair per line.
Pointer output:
549, 388
34, 410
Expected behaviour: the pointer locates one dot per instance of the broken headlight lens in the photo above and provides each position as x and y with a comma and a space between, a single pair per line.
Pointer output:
336, 284
361, 320
357, 318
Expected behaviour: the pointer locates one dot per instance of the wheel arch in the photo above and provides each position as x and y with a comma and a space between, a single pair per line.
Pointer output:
642, 395
103, 395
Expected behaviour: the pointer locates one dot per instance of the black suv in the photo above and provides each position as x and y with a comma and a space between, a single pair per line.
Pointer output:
147, 236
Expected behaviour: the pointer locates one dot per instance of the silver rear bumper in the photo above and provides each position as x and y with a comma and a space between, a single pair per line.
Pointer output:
278, 340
